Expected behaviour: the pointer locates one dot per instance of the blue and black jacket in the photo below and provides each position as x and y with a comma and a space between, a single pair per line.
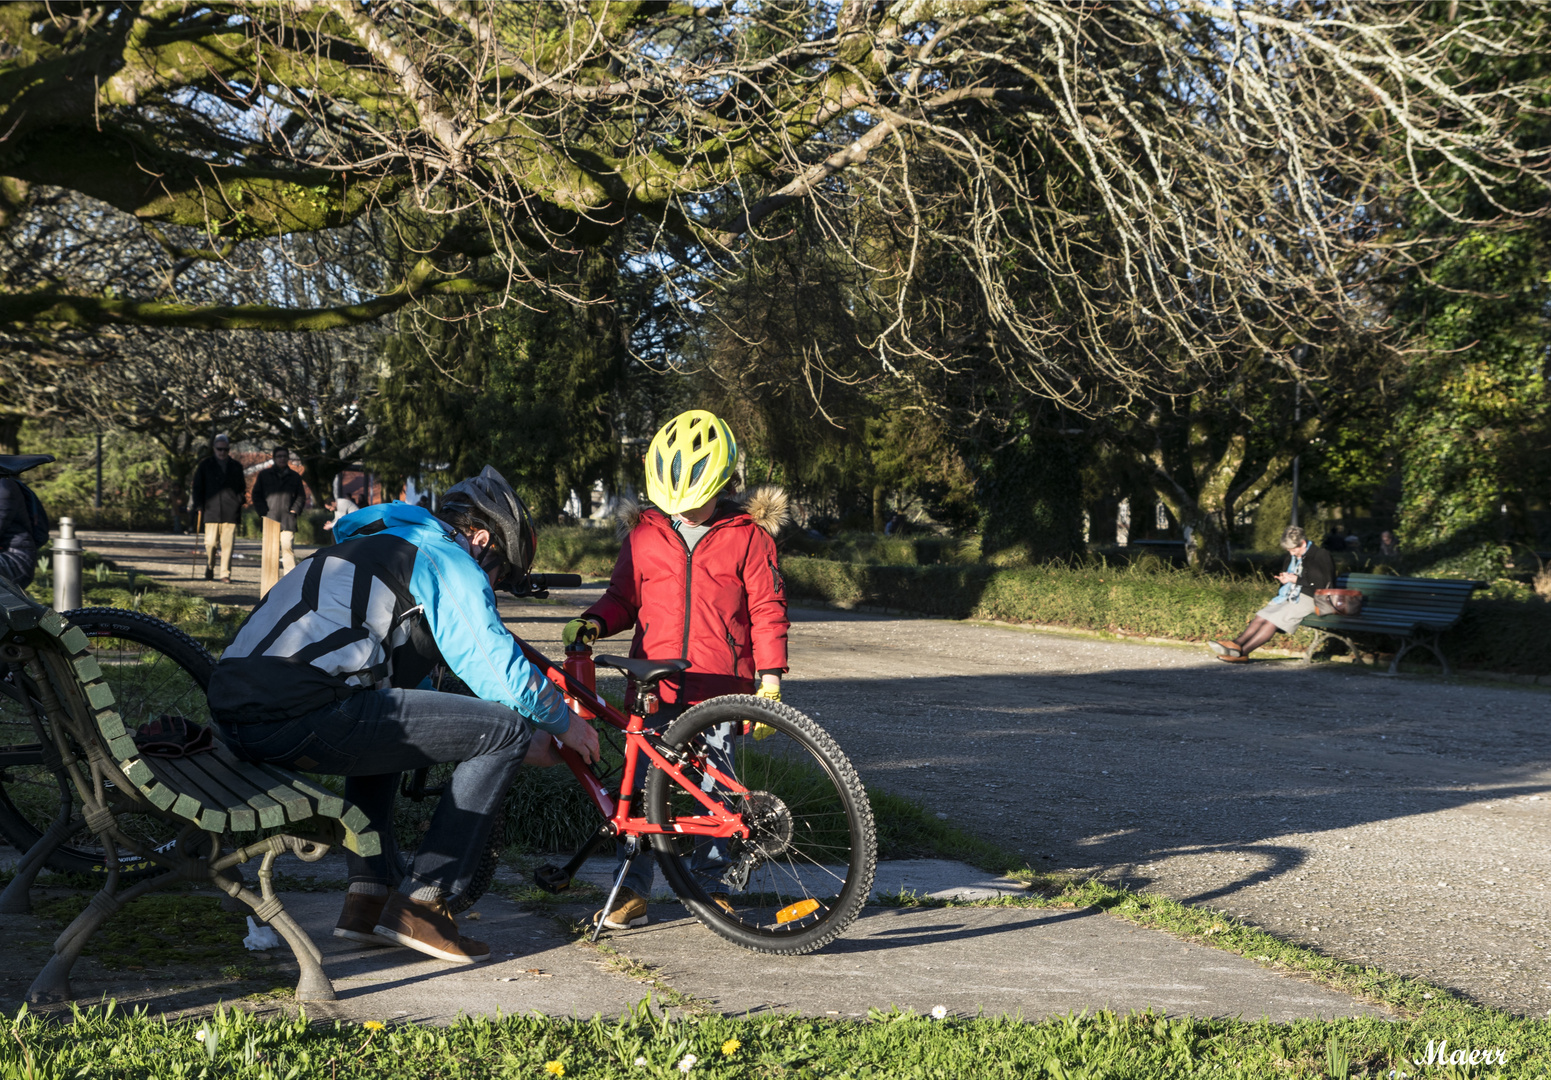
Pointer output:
395, 596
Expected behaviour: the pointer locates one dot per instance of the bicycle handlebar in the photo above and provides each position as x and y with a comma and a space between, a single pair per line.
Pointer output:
538, 585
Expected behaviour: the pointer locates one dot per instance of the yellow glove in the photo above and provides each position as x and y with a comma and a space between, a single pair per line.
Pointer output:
584, 631
769, 693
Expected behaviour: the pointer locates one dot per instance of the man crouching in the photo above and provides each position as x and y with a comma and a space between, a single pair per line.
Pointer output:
319, 678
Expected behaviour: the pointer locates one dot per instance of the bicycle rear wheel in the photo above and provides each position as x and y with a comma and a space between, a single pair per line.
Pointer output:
807, 868
154, 670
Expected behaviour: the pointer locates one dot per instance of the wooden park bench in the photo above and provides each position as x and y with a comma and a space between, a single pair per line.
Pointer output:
197, 802
1418, 611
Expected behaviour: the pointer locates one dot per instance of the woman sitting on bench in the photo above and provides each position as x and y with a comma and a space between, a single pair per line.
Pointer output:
1308, 568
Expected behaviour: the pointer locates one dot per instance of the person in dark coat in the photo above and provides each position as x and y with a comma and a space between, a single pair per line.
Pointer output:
1308, 568
278, 495
220, 489
18, 545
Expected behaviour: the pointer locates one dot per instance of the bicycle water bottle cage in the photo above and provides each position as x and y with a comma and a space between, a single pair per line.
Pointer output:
16, 464
644, 672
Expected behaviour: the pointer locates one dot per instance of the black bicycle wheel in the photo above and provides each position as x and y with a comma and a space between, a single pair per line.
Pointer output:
154, 670
807, 868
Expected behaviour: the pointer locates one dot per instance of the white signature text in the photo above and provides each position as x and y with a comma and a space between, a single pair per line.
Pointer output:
1442, 1055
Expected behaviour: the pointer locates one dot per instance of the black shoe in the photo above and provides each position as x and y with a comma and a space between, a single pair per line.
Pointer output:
209, 573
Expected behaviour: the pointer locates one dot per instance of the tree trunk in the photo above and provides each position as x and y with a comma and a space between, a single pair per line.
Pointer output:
877, 508
10, 434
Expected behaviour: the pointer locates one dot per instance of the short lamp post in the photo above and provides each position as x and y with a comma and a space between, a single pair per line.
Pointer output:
67, 567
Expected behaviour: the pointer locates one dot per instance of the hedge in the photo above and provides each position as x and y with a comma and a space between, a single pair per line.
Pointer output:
1509, 636
1148, 598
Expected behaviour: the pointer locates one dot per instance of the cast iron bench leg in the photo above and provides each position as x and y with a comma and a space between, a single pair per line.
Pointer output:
313, 984
53, 983
16, 900
1425, 642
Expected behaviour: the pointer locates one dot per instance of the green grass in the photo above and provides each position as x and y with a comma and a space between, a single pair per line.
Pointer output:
109, 1045
102, 585
577, 549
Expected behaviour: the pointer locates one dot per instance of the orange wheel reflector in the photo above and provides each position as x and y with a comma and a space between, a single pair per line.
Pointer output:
793, 912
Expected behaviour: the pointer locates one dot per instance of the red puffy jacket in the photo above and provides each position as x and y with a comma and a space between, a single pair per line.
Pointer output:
721, 606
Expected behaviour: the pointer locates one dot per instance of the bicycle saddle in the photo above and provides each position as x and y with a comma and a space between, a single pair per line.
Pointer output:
16, 464
644, 672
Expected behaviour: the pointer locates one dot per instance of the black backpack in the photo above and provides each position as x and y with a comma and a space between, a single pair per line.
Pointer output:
37, 522
37, 514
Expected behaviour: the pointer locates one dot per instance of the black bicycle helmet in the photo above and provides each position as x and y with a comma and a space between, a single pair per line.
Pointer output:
490, 501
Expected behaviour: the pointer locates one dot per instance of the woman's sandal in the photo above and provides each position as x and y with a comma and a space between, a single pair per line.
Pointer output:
1233, 659
1225, 649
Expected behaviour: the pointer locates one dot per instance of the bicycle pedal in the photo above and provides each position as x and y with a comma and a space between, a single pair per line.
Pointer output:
552, 879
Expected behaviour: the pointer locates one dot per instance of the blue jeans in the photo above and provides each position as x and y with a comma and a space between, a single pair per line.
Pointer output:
708, 862
371, 737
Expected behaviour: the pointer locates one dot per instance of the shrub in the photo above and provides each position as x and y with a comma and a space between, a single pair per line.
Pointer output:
577, 549
1147, 598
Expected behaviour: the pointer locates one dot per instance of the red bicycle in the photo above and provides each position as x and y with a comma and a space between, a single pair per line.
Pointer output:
795, 849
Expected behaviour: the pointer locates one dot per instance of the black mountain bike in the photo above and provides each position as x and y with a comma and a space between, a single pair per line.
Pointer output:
154, 670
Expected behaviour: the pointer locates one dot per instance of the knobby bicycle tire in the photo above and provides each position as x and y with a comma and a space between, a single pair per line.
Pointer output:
803, 875
165, 672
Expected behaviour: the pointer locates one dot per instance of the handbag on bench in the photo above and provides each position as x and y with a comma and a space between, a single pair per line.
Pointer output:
1338, 601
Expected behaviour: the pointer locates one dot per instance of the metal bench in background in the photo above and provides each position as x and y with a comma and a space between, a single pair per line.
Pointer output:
1418, 611
198, 802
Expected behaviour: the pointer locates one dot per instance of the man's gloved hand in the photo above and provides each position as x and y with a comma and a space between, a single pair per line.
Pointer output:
769, 693
579, 631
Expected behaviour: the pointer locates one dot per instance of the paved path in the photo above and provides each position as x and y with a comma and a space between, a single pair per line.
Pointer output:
993, 961
1401, 822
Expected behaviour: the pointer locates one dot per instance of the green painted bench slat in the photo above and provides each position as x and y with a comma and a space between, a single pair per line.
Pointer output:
75, 640
328, 803
359, 836
221, 763
111, 725
297, 806
213, 815
196, 772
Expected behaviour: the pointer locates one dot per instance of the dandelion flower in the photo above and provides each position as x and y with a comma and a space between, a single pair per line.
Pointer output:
687, 1063
730, 1047
374, 1025
555, 1068
939, 1012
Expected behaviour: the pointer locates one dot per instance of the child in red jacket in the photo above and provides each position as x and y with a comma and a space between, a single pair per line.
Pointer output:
697, 578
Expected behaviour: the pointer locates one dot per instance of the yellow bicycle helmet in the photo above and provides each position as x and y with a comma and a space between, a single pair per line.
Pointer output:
688, 461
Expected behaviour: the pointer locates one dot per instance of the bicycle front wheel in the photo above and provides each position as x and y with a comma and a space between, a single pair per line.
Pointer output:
153, 670
804, 872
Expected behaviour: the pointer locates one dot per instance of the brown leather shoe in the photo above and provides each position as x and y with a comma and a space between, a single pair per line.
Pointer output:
428, 927
360, 914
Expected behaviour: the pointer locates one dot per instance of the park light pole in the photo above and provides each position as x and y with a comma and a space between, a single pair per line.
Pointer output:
1297, 357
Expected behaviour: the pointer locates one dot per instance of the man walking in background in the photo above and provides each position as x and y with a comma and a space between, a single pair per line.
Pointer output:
219, 492
278, 495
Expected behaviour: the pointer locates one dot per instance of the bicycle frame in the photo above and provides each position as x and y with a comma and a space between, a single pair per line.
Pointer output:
639, 743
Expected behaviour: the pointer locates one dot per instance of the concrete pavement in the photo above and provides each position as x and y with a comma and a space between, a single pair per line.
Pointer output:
993, 961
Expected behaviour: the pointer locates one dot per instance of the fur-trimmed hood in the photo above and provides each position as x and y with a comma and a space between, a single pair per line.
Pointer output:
768, 506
